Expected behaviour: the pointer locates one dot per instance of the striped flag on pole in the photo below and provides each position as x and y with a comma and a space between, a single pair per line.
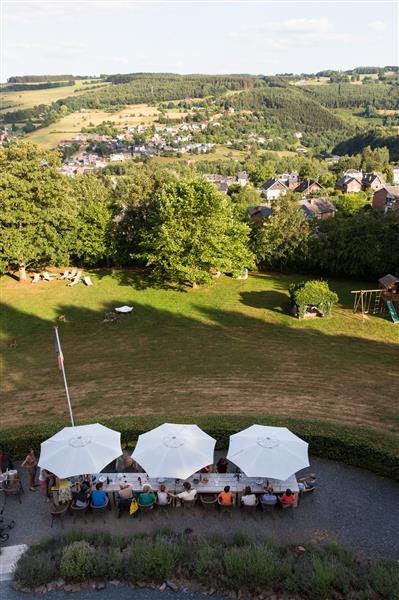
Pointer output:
59, 354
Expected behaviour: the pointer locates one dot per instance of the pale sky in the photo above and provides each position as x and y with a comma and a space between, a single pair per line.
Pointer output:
93, 37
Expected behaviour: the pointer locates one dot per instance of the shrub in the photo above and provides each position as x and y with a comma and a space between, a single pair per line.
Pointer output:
384, 580
328, 575
250, 566
35, 569
77, 563
312, 293
152, 560
108, 563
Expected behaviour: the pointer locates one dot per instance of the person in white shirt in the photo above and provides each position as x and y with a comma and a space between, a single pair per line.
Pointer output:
162, 495
248, 498
188, 495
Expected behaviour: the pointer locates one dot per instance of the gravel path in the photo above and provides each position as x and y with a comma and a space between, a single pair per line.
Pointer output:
109, 593
351, 506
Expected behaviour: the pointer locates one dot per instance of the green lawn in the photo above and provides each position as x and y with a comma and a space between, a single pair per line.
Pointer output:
231, 348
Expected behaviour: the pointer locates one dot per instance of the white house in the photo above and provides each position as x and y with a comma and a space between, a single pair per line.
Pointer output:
273, 189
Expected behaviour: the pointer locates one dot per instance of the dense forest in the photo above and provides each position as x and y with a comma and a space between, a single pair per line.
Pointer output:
378, 138
44, 78
347, 95
23, 87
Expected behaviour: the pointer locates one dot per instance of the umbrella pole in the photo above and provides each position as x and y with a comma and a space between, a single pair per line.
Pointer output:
61, 362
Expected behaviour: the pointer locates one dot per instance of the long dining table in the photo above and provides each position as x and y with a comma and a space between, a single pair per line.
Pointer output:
209, 483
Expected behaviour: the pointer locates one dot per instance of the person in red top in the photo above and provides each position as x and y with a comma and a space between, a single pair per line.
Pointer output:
288, 497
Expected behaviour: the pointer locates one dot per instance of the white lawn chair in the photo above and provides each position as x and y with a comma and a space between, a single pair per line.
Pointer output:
35, 278
46, 276
76, 279
244, 274
65, 275
72, 274
87, 281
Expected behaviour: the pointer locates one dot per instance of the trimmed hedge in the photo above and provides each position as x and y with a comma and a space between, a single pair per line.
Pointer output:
357, 446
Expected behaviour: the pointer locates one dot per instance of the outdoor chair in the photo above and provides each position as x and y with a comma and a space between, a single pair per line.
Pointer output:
123, 505
77, 510
65, 275
76, 279
35, 278
145, 508
208, 501
47, 277
288, 507
250, 508
13, 488
164, 506
87, 281
225, 508
57, 511
269, 508
100, 509
188, 504
72, 274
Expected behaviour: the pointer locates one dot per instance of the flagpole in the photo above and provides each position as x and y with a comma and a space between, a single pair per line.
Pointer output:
64, 376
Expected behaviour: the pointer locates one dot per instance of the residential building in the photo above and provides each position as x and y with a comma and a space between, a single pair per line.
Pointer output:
386, 199
372, 181
308, 186
349, 184
242, 178
395, 169
273, 188
317, 208
290, 180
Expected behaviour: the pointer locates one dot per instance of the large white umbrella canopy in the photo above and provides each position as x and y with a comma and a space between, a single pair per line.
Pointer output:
263, 451
173, 450
80, 450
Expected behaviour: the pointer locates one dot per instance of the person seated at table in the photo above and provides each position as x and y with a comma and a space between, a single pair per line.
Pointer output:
81, 498
207, 469
307, 483
46, 481
269, 498
162, 495
288, 497
222, 465
248, 498
147, 496
226, 497
125, 495
99, 498
188, 495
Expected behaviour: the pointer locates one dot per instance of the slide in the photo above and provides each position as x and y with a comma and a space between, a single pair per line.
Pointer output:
392, 311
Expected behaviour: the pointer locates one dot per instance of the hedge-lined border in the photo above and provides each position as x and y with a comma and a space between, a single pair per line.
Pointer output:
356, 446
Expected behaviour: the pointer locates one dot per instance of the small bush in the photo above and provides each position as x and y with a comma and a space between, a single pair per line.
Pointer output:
328, 575
35, 569
152, 560
384, 580
206, 563
251, 565
78, 562
108, 563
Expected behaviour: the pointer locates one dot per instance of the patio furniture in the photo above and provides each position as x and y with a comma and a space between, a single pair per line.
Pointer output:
65, 274
35, 278
208, 501
87, 281
76, 279
145, 508
78, 510
47, 277
268, 508
72, 274
188, 504
250, 508
57, 511
288, 508
100, 509
164, 506
12, 487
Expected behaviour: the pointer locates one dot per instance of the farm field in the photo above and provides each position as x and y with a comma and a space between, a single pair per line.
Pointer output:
231, 348
72, 124
30, 98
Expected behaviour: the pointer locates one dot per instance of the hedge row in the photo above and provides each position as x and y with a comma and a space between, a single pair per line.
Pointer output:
233, 563
357, 446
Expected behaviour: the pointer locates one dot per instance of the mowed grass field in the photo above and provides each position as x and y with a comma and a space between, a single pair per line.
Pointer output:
31, 98
68, 127
231, 348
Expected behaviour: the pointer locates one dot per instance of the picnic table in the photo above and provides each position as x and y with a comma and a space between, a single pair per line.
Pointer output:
209, 483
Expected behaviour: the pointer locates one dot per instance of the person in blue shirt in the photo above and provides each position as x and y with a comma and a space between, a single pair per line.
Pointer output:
269, 498
99, 498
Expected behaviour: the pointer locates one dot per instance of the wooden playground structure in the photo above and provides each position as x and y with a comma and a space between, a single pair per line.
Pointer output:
383, 300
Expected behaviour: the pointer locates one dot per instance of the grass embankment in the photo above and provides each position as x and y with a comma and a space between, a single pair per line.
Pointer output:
30, 98
231, 564
229, 349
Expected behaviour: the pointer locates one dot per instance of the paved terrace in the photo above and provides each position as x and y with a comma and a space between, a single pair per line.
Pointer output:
351, 506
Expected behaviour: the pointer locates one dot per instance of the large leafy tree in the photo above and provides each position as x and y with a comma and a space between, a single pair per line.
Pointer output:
38, 211
94, 239
194, 229
280, 239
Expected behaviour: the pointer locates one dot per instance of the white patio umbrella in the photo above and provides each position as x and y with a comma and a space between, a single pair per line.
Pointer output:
175, 451
80, 450
263, 451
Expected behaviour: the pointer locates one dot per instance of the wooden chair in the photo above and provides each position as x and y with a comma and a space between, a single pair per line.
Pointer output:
208, 501
269, 508
13, 488
78, 510
100, 509
288, 507
188, 504
164, 506
56, 512
225, 508
145, 508
250, 508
